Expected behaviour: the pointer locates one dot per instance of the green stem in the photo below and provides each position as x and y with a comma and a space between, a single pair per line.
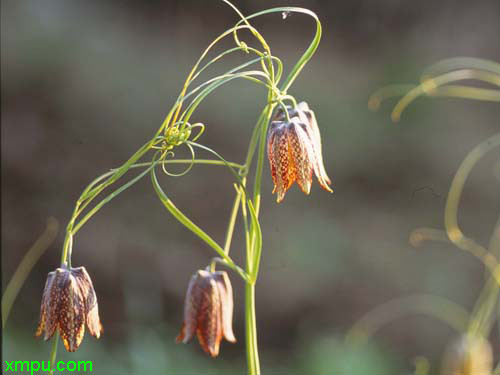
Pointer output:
232, 221
253, 257
120, 171
188, 161
254, 140
67, 247
183, 219
53, 353
261, 156
66, 253
251, 330
109, 198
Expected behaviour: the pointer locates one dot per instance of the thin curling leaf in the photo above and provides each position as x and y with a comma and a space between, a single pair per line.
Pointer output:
220, 80
309, 52
257, 245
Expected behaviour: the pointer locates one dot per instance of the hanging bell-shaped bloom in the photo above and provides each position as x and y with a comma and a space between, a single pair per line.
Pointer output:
294, 151
469, 355
208, 311
69, 303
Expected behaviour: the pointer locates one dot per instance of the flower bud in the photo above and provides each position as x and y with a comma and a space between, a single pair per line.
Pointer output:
208, 311
294, 151
69, 303
469, 355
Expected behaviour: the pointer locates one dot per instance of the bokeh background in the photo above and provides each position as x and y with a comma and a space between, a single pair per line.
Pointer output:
85, 83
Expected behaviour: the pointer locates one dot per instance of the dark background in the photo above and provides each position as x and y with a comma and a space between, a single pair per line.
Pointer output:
86, 83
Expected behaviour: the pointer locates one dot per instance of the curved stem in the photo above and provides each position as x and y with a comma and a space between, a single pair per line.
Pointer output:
235, 174
453, 230
307, 54
309, 51
219, 82
195, 161
183, 219
172, 116
65, 257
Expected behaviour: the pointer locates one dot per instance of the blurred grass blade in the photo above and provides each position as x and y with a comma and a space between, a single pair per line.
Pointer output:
483, 316
430, 84
437, 307
456, 63
453, 230
27, 263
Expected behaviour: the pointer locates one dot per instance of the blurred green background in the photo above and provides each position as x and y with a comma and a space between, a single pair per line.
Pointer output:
85, 83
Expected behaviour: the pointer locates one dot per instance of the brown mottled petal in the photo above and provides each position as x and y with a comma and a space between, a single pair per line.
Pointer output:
210, 318
272, 160
285, 168
94, 323
71, 315
191, 306
53, 302
90, 301
303, 156
92, 313
226, 302
319, 168
47, 316
182, 334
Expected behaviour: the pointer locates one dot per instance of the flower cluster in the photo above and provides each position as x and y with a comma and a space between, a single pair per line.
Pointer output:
69, 303
294, 150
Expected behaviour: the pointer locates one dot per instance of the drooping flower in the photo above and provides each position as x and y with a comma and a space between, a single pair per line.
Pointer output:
294, 151
208, 311
468, 355
69, 303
